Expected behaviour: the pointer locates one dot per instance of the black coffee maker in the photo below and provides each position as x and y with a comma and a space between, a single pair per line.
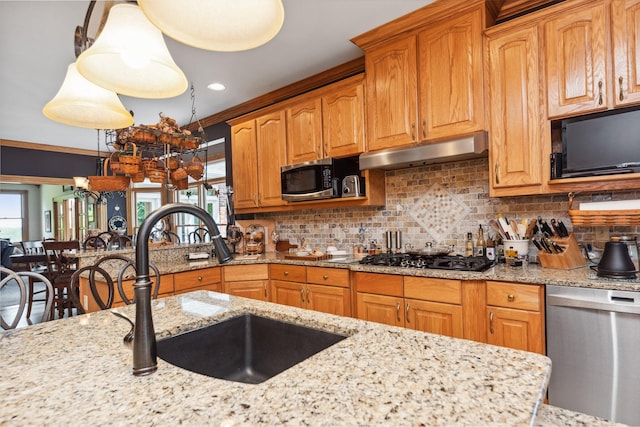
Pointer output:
616, 263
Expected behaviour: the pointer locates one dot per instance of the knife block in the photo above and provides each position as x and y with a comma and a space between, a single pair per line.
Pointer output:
568, 259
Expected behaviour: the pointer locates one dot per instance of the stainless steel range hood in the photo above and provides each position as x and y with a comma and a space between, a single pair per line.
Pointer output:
468, 147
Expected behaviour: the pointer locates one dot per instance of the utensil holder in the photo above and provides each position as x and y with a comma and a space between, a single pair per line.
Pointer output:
568, 259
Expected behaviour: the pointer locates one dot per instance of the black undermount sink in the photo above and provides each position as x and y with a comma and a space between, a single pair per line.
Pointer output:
247, 348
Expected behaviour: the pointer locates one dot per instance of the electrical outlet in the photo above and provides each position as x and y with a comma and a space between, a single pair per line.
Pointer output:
602, 234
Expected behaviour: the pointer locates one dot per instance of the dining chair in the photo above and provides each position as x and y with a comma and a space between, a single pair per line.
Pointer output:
90, 272
122, 263
199, 235
60, 268
18, 277
33, 247
94, 243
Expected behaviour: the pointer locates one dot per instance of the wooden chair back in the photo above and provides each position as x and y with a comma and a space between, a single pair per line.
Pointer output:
10, 276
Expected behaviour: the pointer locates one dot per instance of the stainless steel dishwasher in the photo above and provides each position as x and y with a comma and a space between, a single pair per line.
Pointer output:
593, 340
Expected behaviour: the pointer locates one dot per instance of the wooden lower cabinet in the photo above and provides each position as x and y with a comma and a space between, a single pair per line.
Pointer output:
515, 316
385, 309
314, 288
420, 303
434, 317
208, 279
249, 281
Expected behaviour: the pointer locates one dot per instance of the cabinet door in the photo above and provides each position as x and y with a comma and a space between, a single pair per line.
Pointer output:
576, 68
380, 309
288, 293
207, 278
245, 165
328, 299
518, 329
255, 289
451, 85
271, 151
516, 120
304, 130
343, 119
625, 20
437, 318
392, 100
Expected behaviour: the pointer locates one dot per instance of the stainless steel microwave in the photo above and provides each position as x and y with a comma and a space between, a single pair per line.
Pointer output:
316, 179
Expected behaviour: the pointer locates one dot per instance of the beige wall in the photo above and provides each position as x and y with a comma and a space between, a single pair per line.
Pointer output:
465, 181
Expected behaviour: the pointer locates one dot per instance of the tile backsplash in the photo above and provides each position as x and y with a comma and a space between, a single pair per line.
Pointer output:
437, 203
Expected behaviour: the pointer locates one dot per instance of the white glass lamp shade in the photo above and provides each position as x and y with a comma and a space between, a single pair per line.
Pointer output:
220, 25
83, 104
131, 58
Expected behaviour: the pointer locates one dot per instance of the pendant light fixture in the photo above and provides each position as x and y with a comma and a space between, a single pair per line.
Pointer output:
219, 25
81, 103
130, 57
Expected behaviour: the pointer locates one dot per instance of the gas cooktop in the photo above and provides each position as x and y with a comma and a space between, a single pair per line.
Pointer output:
441, 262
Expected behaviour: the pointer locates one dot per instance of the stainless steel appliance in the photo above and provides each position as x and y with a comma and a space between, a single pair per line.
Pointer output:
316, 179
593, 340
351, 186
419, 260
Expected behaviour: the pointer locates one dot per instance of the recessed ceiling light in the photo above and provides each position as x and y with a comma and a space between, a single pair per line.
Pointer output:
216, 86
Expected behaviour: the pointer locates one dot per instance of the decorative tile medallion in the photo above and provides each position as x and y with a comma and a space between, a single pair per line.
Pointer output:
438, 212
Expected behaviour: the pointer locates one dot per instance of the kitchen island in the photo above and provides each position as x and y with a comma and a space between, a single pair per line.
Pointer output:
77, 371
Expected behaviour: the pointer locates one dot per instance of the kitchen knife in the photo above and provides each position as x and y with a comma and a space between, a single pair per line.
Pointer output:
563, 229
556, 230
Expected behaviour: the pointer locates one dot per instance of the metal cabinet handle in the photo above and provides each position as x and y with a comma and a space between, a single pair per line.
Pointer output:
424, 129
413, 131
406, 311
325, 277
265, 289
600, 100
491, 322
302, 295
398, 311
308, 296
199, 278
496, 169
286, 273
511, 297
621, 96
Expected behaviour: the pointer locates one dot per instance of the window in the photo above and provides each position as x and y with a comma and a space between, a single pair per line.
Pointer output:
14, 216
213, 200
147, 197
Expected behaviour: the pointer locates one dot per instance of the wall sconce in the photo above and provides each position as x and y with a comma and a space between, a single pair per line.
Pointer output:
220, 25
130, 57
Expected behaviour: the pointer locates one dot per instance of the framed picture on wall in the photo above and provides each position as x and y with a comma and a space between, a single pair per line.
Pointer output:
47, 221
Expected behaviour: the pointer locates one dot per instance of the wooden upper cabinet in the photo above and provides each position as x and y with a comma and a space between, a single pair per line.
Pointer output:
343, 123
625, 21
450, 77
245, 164
392, 91
304, 129
516, 123
271, 151
327, 122
576, 52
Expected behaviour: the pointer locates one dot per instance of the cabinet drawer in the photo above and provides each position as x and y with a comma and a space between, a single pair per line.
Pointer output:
328, 276
514, 295
235, 273
291, 273
375, 283
429, 289
196, 278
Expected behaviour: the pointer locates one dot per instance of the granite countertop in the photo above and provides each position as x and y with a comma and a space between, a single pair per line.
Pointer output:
172, 259
78, 368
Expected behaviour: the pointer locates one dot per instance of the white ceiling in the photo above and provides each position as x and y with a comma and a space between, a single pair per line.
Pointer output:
36, 46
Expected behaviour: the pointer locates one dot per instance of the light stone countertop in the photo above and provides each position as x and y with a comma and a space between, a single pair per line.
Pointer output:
77, 371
